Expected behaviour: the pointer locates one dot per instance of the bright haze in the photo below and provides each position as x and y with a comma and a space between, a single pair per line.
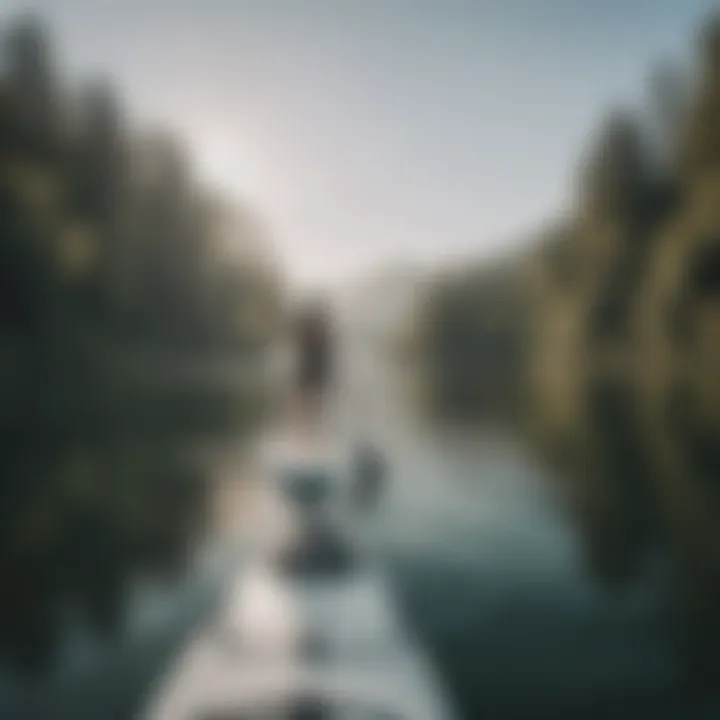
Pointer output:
372, 132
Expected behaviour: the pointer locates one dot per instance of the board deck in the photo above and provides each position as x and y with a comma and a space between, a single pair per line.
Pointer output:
310, 628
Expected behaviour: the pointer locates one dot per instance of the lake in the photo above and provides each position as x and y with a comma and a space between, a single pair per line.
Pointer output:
113, 553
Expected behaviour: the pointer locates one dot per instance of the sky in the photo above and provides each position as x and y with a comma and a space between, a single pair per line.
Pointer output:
372, 133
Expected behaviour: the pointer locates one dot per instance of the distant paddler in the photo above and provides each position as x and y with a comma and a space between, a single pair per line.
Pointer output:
314, 361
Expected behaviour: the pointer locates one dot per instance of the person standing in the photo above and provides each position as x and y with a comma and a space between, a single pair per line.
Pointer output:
315, 360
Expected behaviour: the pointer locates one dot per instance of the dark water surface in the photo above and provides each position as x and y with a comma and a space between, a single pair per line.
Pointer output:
108, 562
493, 580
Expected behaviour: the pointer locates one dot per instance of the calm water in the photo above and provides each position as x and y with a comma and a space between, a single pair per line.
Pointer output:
110, 559
107, 562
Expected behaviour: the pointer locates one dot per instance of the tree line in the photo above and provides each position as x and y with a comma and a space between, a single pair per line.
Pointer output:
612, 319
107, 237
117, 267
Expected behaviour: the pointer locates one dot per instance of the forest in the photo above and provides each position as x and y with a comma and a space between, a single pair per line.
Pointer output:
602, 344
137, 306
119, 268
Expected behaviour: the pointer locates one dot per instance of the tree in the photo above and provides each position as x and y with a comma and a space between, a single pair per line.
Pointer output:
700, 139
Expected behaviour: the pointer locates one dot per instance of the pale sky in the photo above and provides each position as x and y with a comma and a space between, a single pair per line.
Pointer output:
370, 131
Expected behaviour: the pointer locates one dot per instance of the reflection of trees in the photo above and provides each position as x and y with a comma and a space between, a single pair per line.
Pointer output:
79, 523
124, 285
620, 323
606, 480
641, 360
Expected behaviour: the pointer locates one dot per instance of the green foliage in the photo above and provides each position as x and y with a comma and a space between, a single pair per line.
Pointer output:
638, 447
611, 334
700, 138
106, 233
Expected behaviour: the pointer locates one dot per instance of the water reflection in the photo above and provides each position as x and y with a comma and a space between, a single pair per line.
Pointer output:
640, 474
81, 523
